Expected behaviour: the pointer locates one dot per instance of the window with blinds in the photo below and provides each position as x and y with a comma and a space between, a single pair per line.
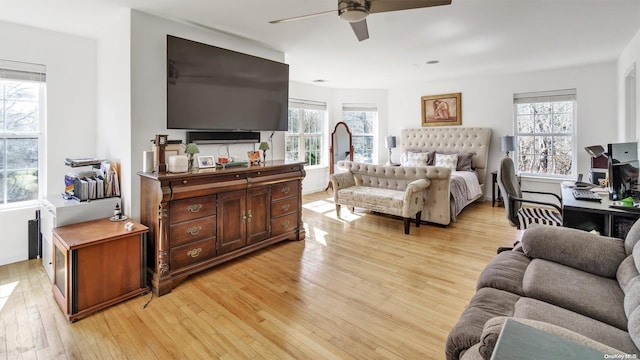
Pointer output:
305, 137
545, 133
22, 114
362, 120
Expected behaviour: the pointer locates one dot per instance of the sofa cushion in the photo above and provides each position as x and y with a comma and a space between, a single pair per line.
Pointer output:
626, 272
634, 327
485, 304
632, 238
632, 296
528, 308
579, 249
372, 198
505, 272
594, 296
493, 327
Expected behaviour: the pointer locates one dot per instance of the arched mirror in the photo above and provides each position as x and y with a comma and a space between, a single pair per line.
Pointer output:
341, 147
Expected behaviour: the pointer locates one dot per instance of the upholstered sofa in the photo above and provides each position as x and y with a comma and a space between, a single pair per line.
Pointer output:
392, 190
570, 283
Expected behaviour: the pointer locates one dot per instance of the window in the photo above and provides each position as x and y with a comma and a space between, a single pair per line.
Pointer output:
545, 133
305, 139
22, 99
362, 121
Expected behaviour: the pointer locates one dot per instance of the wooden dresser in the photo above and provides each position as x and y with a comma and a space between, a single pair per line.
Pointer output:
205, 217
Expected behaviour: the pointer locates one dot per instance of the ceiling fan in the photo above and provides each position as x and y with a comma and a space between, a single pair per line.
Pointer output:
356, 11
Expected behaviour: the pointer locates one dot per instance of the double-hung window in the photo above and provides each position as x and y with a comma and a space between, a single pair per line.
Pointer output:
305, 139
545, 125
22, 112
362, 120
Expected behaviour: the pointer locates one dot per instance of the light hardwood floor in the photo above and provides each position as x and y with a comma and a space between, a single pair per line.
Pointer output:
355, 288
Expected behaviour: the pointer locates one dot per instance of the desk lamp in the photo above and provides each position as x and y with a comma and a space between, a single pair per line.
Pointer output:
390, 143
507, 144
264, 146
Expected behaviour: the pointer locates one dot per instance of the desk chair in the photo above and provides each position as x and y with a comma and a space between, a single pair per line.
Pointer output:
522, 217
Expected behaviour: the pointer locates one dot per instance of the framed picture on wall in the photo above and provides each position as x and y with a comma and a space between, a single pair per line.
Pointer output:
442, 110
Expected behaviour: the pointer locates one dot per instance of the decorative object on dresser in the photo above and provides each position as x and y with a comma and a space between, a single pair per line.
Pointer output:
450, 191
440, 110
202, 219
160, 145
264, 146
206, 162
97, 264
254, 157
507, 143
390, 143
191, 149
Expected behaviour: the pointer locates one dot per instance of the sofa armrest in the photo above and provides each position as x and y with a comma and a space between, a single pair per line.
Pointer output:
493, 326
599, 255
418, 186
341, 181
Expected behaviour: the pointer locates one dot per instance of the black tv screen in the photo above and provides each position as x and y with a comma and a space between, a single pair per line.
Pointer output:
211, 88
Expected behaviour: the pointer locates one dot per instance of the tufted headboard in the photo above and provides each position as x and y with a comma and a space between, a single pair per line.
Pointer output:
451, 139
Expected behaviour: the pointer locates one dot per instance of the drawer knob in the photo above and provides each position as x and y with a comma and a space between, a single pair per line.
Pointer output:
184, 181
194, 230
285, 224
285, 189
194, 252
285, 207
194, 208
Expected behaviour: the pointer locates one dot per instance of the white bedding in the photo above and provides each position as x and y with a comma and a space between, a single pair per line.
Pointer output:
471, 180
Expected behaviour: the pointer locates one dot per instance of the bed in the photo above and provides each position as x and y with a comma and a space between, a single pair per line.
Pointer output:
451, 190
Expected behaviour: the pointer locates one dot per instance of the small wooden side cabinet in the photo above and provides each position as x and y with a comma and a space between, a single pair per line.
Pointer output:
97, 264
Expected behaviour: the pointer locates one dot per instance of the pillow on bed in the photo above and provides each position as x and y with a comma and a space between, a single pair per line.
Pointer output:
415, 159
447, 160
464, 160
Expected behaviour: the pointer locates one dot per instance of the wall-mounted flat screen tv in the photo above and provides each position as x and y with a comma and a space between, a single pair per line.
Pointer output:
211, 88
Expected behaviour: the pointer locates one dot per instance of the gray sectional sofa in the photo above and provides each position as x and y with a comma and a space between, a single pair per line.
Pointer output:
571, 283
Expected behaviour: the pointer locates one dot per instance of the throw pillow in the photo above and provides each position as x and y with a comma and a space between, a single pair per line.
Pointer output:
450, 161
464, 160
415, 159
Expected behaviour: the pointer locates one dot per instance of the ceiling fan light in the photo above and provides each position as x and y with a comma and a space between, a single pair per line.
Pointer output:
353, 14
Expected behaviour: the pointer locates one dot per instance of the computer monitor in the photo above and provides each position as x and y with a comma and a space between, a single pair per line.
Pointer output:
623, 169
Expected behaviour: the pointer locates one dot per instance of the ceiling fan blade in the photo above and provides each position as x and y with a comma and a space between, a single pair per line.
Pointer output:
378, 6
361, 30
302, 17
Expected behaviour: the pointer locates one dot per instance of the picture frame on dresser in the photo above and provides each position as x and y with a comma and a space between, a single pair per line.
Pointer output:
442, 110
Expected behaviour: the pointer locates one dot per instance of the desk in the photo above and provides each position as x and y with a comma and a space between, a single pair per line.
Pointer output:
594, 215
520, 341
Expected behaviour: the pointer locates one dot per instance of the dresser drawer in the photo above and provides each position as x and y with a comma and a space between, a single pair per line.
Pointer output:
284, 190
192, 208
192, 253
188, 231
284, 207
284, 224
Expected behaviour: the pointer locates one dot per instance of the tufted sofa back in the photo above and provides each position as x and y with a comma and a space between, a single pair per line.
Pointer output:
475, 140
387, 177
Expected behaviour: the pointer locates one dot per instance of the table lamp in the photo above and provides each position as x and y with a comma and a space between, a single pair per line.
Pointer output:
507, 144
390, 143
264, 146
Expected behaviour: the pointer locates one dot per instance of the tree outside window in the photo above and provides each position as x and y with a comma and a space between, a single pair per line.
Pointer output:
20, 119
304, 139
362, 122
545, 124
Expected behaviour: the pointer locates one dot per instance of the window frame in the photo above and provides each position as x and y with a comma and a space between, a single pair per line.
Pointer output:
550, 97
32, 73
374, 131
302, 105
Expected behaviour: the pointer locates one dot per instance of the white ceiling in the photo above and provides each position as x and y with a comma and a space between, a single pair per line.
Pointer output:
469, 37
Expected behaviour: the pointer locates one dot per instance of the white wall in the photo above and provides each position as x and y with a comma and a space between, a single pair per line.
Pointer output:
488, 102
148, 90
629, 58
71, 114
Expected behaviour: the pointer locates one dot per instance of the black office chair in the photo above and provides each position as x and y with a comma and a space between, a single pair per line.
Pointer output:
520, 216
